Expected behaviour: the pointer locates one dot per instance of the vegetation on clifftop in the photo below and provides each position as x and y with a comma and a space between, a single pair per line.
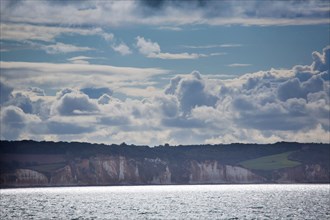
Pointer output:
254, 156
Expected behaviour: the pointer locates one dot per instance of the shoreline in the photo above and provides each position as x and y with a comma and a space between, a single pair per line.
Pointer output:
201, 184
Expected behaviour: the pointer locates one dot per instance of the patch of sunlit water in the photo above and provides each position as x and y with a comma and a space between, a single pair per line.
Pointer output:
168, 202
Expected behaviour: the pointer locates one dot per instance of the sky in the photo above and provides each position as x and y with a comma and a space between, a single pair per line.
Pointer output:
154, 72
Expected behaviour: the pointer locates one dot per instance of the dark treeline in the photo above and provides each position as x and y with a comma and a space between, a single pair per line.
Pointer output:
226, 153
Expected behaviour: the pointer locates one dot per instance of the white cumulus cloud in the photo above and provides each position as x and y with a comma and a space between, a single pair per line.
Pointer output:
152, 50
74, 103
266, 106
122, 48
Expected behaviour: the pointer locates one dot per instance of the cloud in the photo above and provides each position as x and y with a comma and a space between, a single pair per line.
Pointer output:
190, 92
136, 91
63, 48
182, 122
106, 36
215, 54
104, 99
293, 88
37, 91
122, 48
79, 60
260, 107
169, 28
14, 122
56, 76
57, 48
83, 59
147, 47
284, 103
175, 56
5, 92
24, 31
31, 101
286, 116
152, 50
321, 61
95, 93
65, 128
22, 101
168, 104
114, 121
239, 65
74, 68
265, 106
166, 13
74, 103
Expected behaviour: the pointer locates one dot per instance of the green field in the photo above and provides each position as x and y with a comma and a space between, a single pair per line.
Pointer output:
273, 162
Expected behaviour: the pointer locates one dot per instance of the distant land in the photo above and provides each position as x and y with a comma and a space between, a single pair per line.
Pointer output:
31, 163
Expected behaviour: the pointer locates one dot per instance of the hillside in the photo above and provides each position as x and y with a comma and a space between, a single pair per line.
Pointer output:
30, 163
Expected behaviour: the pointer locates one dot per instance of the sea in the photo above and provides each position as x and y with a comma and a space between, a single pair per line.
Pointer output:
293, 201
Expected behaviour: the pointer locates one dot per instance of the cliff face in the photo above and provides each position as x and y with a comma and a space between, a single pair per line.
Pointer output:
24, 177
314, 173
213, 172
113, 170
119, 170
31, 163
62, 176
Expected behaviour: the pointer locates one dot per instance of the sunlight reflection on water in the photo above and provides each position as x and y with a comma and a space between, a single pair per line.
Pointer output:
168, 202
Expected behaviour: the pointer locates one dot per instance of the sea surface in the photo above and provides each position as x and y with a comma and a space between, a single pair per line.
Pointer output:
168, 202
